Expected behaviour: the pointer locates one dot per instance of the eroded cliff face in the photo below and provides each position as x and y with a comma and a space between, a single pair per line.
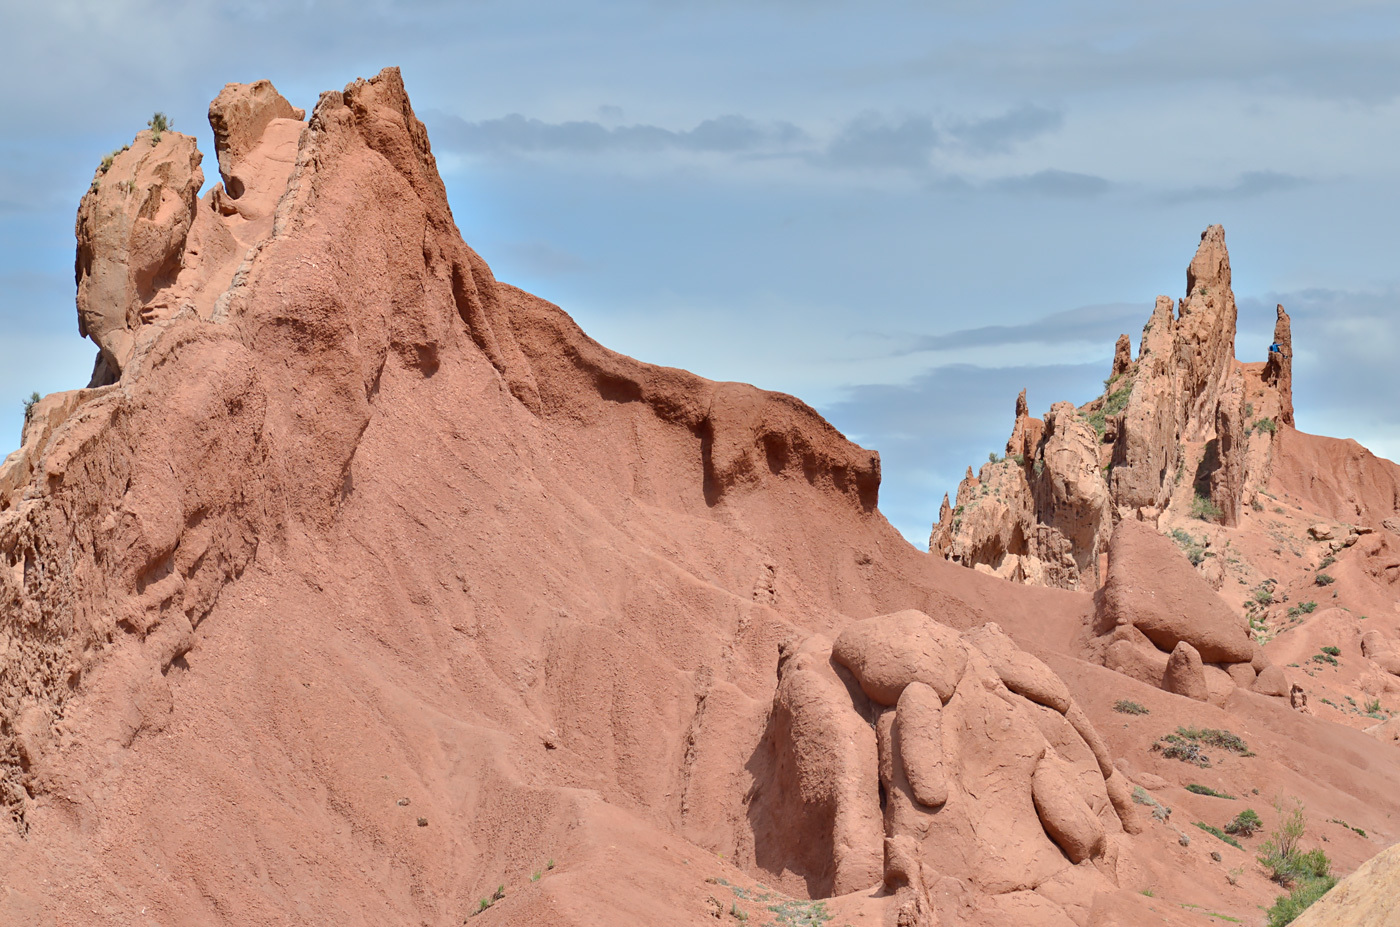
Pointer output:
360, 584
1183, 426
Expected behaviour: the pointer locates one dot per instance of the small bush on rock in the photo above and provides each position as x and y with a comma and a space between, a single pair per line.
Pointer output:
1245, 823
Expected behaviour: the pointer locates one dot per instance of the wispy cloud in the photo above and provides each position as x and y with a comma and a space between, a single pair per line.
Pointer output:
1054, 183
517, 134
867, 141
1000, 134
1248, 185
1088, 324
871, 140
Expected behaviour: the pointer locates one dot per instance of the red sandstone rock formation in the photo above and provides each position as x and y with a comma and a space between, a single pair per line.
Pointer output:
365, 584
1184, 408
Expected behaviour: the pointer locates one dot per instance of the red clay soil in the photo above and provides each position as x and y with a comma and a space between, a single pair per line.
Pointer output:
374, 586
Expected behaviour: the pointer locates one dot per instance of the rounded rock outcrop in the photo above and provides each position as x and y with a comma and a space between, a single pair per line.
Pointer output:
887, 653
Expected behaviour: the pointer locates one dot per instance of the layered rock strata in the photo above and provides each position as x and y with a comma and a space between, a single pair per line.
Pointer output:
1183, 425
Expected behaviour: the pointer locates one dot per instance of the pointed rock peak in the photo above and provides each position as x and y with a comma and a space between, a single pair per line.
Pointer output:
1022, 409
1278, 370
1210, 268
1157, 333
131, 230
239, 116
1122, 356
969, 474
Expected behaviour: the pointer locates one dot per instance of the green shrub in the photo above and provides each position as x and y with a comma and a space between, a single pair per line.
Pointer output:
1324, 579
1266, 424
1178, 748
29, 405
1207, 790
1217, 832
1334, 651
1264, 596
1020, 459
1286, 908
994, 457
1245, 823
1204, 509
1186, 743
158, 124
1117, 400
1324, 658
1281, 854
1127, 707
1214, 737
1195, 551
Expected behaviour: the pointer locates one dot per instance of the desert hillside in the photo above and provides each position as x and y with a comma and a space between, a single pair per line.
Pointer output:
359, 587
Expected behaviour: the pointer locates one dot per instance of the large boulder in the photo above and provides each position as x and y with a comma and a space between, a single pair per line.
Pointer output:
891, 651
1153, 589
1185, 673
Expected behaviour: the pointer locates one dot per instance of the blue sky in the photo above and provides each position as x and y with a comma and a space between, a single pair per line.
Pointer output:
903, 213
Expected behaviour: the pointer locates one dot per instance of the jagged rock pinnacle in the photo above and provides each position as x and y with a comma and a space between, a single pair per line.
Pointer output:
1183, 408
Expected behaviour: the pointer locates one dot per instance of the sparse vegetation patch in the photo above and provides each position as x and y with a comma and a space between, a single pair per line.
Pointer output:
1204, 509
1217, 832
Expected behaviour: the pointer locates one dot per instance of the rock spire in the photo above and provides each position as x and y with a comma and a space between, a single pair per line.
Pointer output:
1180, 426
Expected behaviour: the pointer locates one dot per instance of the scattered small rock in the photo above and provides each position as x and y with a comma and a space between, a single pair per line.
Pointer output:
1320, 532
551, 740
1215, 855
422, 822
403, 802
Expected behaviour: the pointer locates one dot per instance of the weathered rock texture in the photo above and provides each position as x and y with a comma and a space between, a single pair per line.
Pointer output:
986, 769
147, 249
366, 583
1178, 424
